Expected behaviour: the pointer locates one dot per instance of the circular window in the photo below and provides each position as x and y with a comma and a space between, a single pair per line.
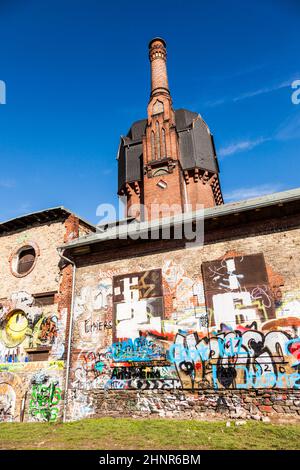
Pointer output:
23, 260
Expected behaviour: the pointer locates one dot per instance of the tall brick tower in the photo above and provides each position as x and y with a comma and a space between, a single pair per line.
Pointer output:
167, 163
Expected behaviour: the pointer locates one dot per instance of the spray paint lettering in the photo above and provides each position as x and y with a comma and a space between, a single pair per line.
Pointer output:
44, 401
225, 335
139, 349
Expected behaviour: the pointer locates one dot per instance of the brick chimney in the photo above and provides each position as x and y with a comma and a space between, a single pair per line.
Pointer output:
158, 59
162, 179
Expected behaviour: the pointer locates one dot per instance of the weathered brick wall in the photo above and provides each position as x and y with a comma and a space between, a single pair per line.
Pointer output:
234, 404
106, 363
31, 391
281, 252
33, 331
45, 275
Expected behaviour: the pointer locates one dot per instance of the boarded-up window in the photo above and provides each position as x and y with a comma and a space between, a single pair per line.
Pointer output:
26, 260
237, 291
36, 355
138, 303
46, 298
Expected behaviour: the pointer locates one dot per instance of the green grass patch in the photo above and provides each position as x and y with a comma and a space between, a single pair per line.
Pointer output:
127, 433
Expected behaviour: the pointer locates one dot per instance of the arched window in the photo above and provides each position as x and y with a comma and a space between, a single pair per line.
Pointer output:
160, 172
152, 146
157, 142
163, 142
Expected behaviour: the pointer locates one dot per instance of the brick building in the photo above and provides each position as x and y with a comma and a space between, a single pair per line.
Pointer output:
178, 312
167, 324
176, 328
35, 301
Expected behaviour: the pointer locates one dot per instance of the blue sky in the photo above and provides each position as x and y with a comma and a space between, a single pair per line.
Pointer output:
77, 75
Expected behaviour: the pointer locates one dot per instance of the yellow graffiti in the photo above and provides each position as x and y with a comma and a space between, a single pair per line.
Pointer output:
16, 329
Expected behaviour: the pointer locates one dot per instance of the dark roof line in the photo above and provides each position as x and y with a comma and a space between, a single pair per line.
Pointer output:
39, 217
196, 146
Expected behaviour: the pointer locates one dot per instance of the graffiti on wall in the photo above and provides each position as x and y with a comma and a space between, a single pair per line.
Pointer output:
186, 299
21, 385
32, 339
7, 402
145, 377
81, 404
222, 329
237, 290
139, 349
25, 326
92, 315
138, 303
45, 398
237, 359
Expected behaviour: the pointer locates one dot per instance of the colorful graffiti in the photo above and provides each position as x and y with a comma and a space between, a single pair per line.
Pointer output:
139, 349
92, 370
45, 398
18, 381
32, 339
25, 326
237, 359
227, 332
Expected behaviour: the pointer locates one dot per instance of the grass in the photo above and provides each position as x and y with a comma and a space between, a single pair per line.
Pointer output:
127, 433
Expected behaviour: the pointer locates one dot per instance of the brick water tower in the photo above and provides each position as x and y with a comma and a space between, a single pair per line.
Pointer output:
167, 163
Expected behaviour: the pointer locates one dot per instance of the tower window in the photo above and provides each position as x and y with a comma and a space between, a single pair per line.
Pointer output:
157, 141
161, 171
163, 142
152, 145
162, 184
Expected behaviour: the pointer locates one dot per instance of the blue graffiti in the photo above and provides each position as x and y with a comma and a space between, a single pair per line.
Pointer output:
180, 353
258, 379
141, 349
235, 348
202, 352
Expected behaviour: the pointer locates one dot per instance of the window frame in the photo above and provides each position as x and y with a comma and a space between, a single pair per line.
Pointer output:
14, 259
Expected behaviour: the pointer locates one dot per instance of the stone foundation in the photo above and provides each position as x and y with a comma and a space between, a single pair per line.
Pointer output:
235, 404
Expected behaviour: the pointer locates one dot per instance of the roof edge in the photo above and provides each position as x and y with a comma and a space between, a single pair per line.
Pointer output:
56, 208
217, 211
